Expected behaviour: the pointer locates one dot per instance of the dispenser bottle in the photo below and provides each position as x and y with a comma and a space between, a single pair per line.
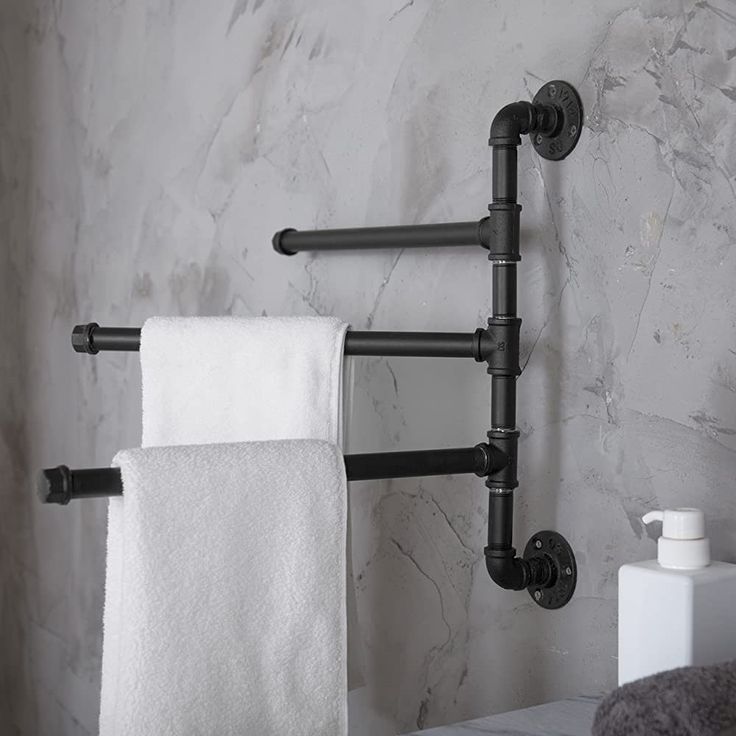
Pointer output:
679, 609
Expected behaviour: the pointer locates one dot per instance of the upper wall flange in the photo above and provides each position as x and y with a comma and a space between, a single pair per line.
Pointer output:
566, 101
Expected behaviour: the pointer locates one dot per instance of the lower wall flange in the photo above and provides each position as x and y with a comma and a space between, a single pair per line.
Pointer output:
555, 550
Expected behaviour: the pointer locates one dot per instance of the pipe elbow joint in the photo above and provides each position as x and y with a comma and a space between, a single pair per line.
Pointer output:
510, 123
506, 569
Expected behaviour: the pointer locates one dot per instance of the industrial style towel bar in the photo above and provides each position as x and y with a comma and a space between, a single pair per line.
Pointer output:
547, 569
61, 485
91, 338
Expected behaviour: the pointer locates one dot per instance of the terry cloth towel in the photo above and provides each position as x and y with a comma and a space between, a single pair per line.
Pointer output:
223, 616
233, 379
689, 701
228, 379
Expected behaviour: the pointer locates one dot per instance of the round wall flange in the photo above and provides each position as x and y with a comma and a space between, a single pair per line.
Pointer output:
566, 101
553, 548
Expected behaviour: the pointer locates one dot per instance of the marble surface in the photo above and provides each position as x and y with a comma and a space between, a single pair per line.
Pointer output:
570, 717
148, 151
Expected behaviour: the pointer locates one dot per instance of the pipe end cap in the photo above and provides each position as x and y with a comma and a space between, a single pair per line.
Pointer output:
277, 242
54, 485
82, 338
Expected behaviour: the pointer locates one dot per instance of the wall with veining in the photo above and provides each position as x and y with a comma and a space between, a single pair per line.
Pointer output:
148, 150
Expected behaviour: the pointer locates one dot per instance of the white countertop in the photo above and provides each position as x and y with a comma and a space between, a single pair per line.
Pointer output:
571, 717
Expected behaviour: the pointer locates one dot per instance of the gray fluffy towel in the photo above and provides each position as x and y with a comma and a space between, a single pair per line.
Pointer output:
690, 701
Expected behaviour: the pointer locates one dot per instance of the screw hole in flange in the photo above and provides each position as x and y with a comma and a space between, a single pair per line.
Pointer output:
553, 547
566, 101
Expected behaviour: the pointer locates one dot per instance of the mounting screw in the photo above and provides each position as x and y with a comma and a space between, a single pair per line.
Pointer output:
537, 595
568, 571
552, 90
573, 129
538, 543
539, 139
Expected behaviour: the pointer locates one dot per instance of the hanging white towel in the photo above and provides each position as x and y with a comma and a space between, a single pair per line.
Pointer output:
226, 379
233, 379
206, 381
223, 615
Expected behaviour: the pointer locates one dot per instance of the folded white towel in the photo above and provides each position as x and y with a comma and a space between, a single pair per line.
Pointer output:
226, 379
222, 614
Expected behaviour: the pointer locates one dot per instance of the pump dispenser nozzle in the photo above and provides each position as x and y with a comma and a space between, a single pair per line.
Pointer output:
683, 544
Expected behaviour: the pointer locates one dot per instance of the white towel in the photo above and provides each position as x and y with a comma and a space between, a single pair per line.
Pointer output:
223, 615
226, 379
232, 379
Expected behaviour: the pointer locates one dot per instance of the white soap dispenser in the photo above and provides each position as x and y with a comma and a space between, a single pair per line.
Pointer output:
679, 609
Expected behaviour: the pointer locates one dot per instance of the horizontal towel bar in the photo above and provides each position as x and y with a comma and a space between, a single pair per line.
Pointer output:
91, 338
60, 485
289, 242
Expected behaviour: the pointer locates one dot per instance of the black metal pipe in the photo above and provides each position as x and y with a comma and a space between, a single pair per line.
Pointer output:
504, 289
504, 174
536, 570
91, 338
481, 459
500, 520
415, 344
505, 568
503, 403
288, 242
61, 485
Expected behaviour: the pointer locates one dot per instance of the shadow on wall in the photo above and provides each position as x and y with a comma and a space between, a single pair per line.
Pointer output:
17, 551
543, 497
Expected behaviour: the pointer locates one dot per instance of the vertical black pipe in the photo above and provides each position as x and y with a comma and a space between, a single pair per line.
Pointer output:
503, 190
503, 387
500, 520
504, 174
504, 289
503, 402
504, 567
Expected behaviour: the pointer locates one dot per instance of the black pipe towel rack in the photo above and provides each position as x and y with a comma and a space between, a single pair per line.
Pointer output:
547, 569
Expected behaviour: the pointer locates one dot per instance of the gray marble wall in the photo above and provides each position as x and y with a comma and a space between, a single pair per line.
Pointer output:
149, 149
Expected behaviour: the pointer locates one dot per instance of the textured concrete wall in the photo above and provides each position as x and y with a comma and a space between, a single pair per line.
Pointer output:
148, 151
